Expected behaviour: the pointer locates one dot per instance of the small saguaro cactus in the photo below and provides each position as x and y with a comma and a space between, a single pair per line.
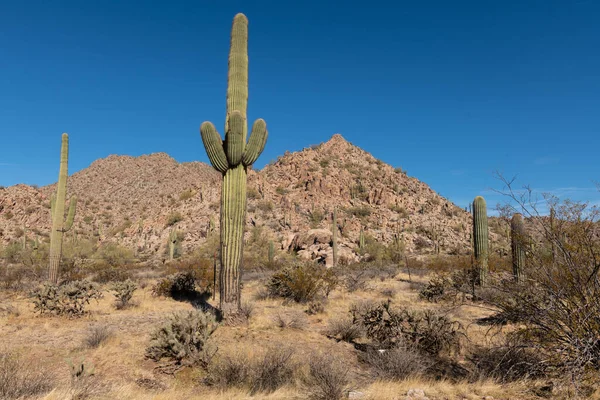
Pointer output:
480, 238
271, 252
57, 206
232, 157
361, 240
517, 242
172, 244
334, 229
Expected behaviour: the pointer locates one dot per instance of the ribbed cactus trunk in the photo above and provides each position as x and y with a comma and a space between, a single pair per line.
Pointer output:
361, 240
231, 158
517, 241
172, 243
271, 254
480, 239
334, 237
59, 227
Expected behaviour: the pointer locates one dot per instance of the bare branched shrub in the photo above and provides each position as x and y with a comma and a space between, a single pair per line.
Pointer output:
558, 302
274, 370
290, 320
123, 292
508, 363
20, 380
68, 299
230, 371
184, 340
327, 378
315, 307
96, 335
344, 329
398, 363
247, 309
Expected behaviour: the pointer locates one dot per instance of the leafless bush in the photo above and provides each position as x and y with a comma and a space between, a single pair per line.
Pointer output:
274, 370
247, 309
327, 378
290, 320
96, 335
398, 363
344, 329
508, 363
20, 380
230, 371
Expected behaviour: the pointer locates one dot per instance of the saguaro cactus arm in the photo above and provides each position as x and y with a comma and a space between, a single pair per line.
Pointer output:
213, 144
256, 143
71, 214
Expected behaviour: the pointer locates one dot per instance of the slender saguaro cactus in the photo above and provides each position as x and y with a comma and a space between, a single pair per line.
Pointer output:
517, 241
172, 243
232, 158
361, 240
271, 251
480, 238
59, 225
334, 236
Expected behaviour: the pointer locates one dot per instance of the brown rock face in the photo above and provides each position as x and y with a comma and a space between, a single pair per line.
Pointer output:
135, 200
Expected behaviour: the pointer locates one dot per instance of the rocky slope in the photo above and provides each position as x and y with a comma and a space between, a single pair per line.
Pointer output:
134, 201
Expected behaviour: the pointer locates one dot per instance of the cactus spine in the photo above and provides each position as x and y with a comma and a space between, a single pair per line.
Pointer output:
334, 237
232, 158
480, 238
517, 236
59, 225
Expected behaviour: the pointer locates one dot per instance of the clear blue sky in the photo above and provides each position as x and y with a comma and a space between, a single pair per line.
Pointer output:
450, 91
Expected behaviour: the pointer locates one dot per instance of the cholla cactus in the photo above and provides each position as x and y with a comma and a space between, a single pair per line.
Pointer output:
123, 292
232, 158
184, 339
59, 226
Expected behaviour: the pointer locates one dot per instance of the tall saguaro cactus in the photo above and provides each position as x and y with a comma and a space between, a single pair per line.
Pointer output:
517, 241
232, 157
334, 229
59, 225
480, 238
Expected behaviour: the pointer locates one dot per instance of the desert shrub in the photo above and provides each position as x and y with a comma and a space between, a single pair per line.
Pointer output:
114, 255
96, 335
558, 303
274, 370
427, 330
315, 307
178, 286
230, 371
344, 329
435, 288
359, 211
398, 363
315, 217
201, 268
68, 299
184, 340
123, 292
173, 218
302, 282
106, 273
507, 363
290, 320
21, 380
327, 378
354, 280
186, 194
247, 309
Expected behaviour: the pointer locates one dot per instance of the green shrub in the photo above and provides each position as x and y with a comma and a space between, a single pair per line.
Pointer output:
302, 282
173, 218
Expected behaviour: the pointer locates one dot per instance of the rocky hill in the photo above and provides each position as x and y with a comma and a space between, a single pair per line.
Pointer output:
137, 201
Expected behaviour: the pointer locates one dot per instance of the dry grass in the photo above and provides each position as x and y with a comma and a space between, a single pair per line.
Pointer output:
122, 372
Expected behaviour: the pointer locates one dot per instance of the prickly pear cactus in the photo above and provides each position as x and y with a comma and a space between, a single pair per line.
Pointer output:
480, 238
59, 226
232, 157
